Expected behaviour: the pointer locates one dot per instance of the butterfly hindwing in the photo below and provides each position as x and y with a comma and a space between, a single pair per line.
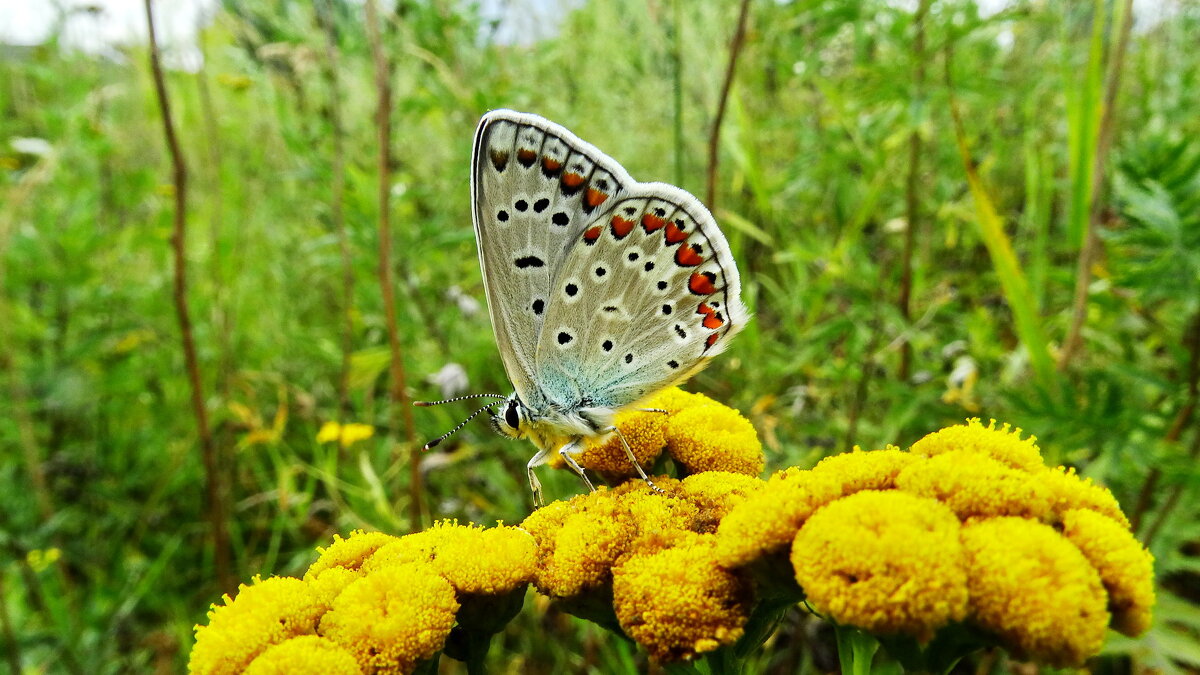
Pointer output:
535, 187
644, 298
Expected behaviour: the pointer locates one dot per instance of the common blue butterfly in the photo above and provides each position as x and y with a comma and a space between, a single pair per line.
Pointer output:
602, 290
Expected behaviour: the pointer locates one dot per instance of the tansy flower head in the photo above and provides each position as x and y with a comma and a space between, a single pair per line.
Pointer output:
767, 520
859, 470
329, 583
304, 655
972, 484
473, 559
886, 562
674, 399
678, 602
1035, 590
645, 433
1002, 445
578, 541
349, 553
1069, 491
1126, 568
265, 613
714, 437
716, 493
393, 618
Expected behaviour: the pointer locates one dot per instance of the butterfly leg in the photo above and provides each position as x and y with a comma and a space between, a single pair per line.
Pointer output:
534, 483
632, 458
654, 410
566, 452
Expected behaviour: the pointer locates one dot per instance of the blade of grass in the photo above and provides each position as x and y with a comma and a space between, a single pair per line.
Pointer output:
1004, 259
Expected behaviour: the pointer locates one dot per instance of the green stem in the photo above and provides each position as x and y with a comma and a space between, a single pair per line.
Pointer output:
856, 650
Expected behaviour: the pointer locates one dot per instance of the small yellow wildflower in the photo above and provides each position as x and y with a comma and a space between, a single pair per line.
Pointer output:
329, 583
1069, 491
767, 521
393, 618
976, 485
679, 602
473, 559
265, 613
578, 541
304, 655
39, 559
1126, 568
859, 470
350, 552
1035, 590
714, 437
885, 561
346, 434
716, 493
644, 431
1000, 444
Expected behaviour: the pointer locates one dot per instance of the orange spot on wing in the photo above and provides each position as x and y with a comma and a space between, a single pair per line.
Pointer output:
703, 308
572, 180
652, 222
701, 284
592, 234
594, 197
550, 164
526, 157
712, 340
687, 256
674, 234
712, 321
621, 227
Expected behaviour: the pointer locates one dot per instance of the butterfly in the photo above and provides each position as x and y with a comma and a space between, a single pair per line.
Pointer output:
602, 291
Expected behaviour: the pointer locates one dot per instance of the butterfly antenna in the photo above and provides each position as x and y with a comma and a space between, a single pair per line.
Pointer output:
439, 439
426, 404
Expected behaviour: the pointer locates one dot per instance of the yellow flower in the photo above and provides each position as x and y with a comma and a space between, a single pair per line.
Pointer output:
1035, 590
349, 553
1126, 568
346, 434
679, 602
859, 470
1069, 491
305, 655
767, 521
714, 437
675, 399
265, 613
393, 618
473, 559
644, 431
887, 562
716, 493
976, 485
39, 559
1000, 444
579, 540
329, 583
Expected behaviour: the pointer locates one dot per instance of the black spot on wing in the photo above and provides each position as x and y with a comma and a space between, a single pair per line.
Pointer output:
530, 261
560, 218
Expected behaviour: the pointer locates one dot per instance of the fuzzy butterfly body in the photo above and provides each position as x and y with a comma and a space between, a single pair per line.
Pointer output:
602, 290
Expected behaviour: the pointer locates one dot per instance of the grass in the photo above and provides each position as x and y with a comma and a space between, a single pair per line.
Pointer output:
105, 555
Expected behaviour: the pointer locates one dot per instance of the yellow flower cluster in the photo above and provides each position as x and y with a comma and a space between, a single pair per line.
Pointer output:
655, 553
969, 525
697, 432
372, 603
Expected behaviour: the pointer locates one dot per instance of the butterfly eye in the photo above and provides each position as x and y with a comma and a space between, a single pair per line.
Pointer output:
511, 418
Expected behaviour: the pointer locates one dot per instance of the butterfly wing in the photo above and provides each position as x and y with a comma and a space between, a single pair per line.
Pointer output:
645, 296
535, 187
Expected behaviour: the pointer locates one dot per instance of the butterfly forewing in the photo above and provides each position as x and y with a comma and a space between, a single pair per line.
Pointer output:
535, 187
645, 296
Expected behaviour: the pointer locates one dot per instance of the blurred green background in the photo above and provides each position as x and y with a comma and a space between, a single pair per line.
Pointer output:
1062, 296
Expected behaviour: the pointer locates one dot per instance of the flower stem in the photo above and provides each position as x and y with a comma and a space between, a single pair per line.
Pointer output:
856, 650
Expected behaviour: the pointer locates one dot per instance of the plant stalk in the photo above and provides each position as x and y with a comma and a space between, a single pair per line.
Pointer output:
714, 137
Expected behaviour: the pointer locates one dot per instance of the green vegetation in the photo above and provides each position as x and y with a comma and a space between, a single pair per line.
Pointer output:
1053, 224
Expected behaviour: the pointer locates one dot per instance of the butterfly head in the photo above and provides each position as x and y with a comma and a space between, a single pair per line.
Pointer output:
511, 418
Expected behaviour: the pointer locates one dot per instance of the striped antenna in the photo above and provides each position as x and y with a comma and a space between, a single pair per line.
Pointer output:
426, 404
439, 439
